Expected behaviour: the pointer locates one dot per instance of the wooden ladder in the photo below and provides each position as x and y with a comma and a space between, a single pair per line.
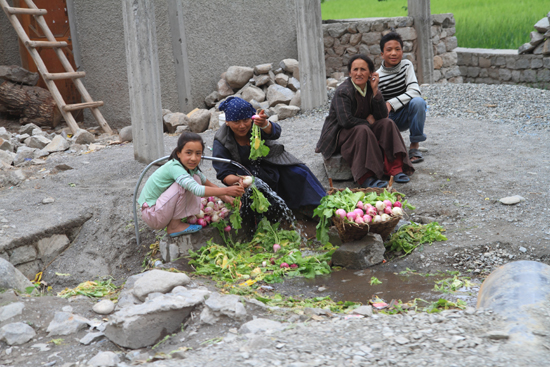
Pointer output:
49, 78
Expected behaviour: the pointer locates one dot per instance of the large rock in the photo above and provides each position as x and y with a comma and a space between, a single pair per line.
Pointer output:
288, 65
536, 38
251, 92
58, 144
145, 324
526, 48
104, 359
262, 79
211, 99
337, 168
27, 129
17, 333
66, 323
238, 76
224, 89
296, 100
360, 254
263, 69
218, 305
23, 154
214, 119
285, 112
6, 145
277, 94
37, 141
6, 158
543, 25
17, 74
281, 79
173, 120
198, 120
293, 84
158, 281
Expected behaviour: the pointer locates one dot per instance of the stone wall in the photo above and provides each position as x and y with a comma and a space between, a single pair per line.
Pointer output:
489, 66
345, 38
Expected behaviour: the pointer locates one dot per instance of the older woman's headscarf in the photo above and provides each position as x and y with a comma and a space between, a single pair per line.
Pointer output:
236, 109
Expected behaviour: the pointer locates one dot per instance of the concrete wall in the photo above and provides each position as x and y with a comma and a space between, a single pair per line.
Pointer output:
489, 66
9, 46
345, 38
220, 33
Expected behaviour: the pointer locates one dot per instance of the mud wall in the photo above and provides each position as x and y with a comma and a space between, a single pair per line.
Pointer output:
9, 46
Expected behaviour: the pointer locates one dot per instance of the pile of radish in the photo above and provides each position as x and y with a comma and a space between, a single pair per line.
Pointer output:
212, 210
382, 211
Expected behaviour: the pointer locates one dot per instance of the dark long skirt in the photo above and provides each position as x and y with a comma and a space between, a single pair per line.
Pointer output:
364, 147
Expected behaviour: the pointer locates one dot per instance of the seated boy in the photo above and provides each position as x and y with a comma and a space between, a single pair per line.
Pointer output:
401, 92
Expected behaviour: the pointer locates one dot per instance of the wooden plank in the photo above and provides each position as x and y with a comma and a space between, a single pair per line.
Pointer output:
81, 106
59, 76
26, 11
46, 44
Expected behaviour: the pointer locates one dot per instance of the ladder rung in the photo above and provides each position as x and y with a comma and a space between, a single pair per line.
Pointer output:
80, 106
26, 11
46, 44
68, 75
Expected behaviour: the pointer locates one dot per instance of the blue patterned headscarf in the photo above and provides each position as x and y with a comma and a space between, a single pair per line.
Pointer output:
236, 109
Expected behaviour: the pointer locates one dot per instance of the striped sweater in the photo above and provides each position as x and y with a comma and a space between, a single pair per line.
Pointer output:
398, 84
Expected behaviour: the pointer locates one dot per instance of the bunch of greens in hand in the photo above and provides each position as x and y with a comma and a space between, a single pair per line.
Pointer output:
258, 148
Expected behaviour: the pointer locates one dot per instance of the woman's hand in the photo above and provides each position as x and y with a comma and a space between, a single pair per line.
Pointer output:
227, 199
235, 190
262, 122
370, 119
374, 80
388, 105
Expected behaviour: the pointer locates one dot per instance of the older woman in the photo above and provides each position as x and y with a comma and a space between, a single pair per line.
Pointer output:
359, 128
285, 174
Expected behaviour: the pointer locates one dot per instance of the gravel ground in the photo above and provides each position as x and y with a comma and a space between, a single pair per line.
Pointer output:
473, 160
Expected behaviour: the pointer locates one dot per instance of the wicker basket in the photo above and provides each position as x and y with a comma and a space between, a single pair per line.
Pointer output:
349, 231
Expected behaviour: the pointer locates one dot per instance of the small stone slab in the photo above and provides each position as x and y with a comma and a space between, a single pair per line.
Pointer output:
360, 254
158, 281
497, 335
363, 310
337, 168
511, 200
17, 333
104, 359
11, 310
66, 323
260, 325
91, 337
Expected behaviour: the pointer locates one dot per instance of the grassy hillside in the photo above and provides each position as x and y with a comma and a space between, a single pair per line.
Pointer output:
486, 24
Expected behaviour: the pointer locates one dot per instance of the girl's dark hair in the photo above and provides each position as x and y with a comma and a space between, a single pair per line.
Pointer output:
392, 36
185, 138
362, 57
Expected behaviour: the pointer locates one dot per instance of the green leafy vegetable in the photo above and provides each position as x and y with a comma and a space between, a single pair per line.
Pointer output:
259, 203
235, 217
257, 147
375, 281
409, 237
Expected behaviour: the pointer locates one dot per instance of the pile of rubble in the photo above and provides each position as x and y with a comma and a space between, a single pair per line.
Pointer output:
540, 39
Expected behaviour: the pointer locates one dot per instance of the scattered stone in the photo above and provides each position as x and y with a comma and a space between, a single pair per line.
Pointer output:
522, 249
11, 310
158, 281
173, 120
283, 111
402, 340
293, 84
6, 157
91, 337
83, 137
260, 325
281, 79
27, 129
104, 359
104, 307
261, 80
277, 94
253, 93
497, 335
238, 76
16, 333
198, 120
511, 200
11, 278
363, 310
23, 154
58, 144
360, 254
224, 89
6, 145
542, 25
41, 346
125, 133
211, 99
289, 65
65, 323
263, 69
218, 305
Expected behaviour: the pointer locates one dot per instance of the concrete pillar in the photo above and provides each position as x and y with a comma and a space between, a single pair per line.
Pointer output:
420, 11
143, 79
311, 54
179, 48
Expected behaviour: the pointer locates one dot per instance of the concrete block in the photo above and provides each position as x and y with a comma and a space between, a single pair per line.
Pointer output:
337, 168
360, 254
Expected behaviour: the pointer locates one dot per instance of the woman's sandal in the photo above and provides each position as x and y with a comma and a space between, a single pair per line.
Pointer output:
191, 229
401, 178
374, 182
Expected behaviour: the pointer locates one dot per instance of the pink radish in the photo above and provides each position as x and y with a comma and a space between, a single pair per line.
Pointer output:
192, 219
341, 213
204, 201
397, 204
367, 218
207, 218
387, 210
388, 203
201, 214
215, 218
227, 229
360, 205
380, 206
359, 220
351, 216
293, 266
208, 210
376, 219
202, 222
211, 198
372, 211
397, 211
359, 212
284, 265
276, 247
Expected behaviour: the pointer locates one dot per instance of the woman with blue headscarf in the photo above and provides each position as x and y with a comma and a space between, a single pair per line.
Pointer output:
285, 174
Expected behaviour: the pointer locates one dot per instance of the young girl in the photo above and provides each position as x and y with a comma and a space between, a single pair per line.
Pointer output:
174, 190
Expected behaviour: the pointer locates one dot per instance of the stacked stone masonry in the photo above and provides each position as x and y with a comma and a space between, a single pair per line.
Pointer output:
343, 39
503, 67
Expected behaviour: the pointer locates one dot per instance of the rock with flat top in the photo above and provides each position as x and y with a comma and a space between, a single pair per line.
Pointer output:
199, 120
238, 76
512, 200
260, 325
289, 65
360, 254
17, 74
58, 144
158, 281
11, 310
278, 94
66, 323
17, 333
262, 69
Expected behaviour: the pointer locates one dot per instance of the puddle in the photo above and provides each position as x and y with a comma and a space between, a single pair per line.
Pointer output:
352, 285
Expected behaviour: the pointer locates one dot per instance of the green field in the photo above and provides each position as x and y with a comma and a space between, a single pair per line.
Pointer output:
500, 24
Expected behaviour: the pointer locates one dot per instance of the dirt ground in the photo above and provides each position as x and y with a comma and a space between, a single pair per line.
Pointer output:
469, 166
